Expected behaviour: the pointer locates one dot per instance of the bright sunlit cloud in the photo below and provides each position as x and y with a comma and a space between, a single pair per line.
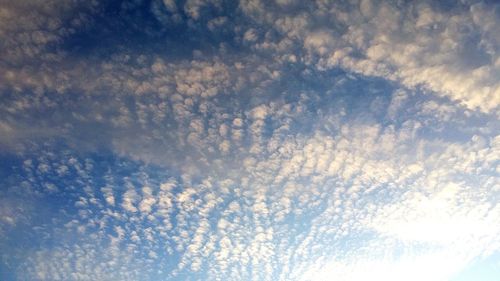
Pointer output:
431, 266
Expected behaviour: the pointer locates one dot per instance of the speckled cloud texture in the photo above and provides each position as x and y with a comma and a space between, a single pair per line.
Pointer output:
250, 140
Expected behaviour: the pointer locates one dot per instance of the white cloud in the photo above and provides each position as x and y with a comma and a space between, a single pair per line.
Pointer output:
417, 44
130, 198
284, 170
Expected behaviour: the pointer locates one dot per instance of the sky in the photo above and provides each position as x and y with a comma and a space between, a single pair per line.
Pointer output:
348, 140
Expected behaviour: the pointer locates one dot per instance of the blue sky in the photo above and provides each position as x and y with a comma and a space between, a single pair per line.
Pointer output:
249, 140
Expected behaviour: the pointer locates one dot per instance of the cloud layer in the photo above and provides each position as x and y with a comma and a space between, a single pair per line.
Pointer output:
251, 140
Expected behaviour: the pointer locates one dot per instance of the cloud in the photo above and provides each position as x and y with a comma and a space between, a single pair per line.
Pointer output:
248, 141
287, 213
419, 44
